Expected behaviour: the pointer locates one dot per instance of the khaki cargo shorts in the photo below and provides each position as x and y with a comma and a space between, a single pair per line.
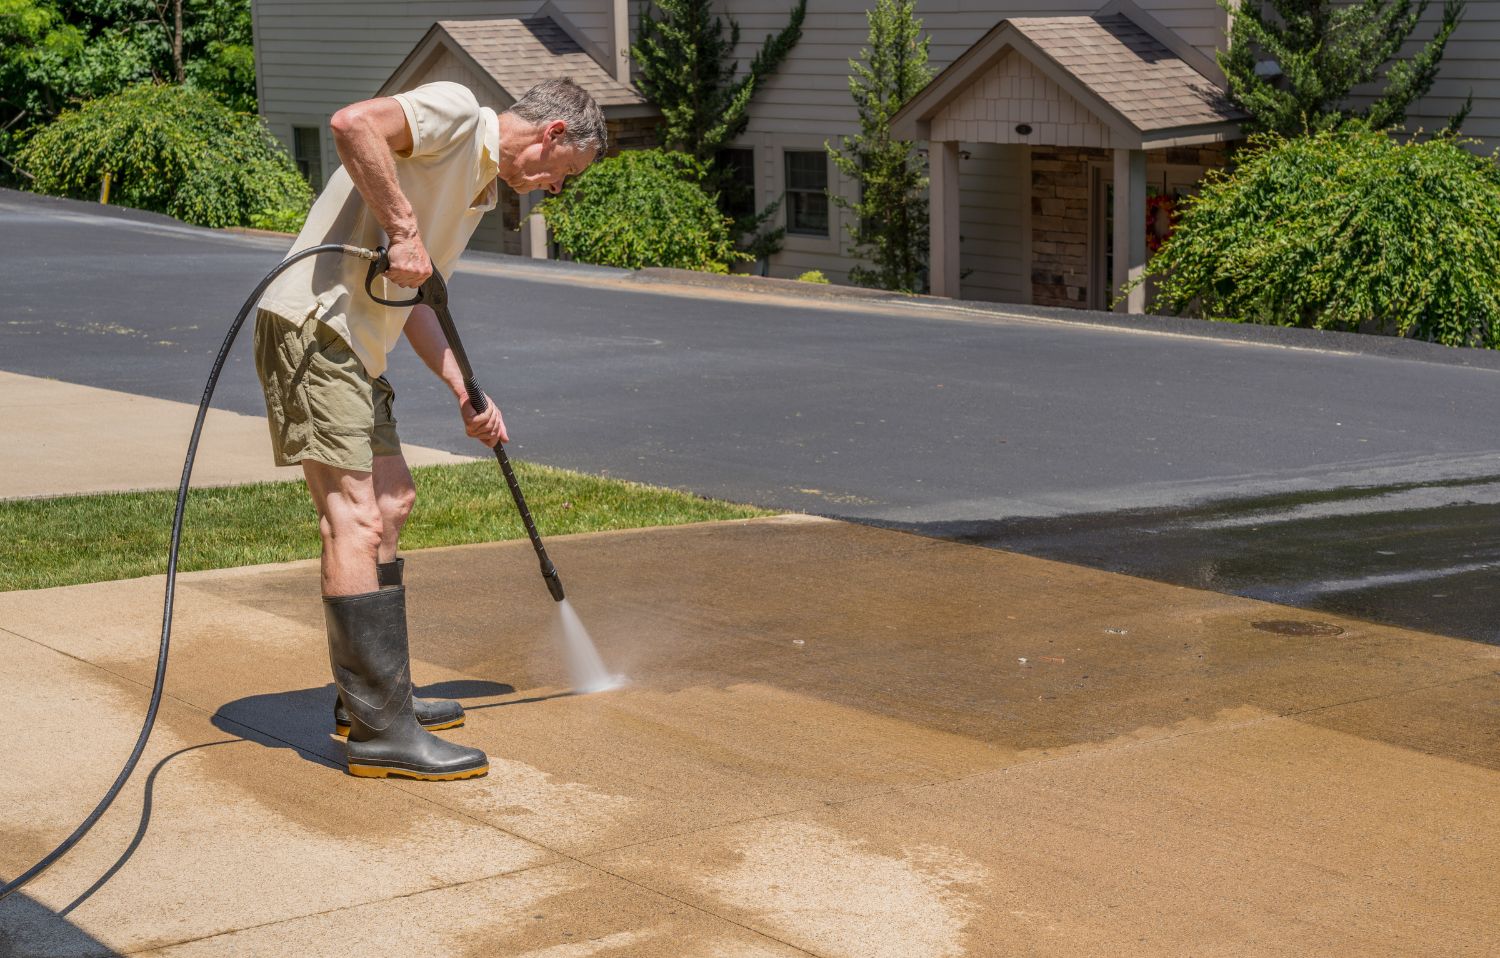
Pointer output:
320, 402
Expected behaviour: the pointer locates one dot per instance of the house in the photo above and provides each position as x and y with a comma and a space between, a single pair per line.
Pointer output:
1038, 111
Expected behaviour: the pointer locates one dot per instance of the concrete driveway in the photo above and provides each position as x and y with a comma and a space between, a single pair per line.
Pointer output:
835, 741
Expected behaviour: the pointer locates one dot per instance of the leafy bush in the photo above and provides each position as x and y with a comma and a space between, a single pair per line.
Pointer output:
812, 276
1343, 230
642, 208
170, 149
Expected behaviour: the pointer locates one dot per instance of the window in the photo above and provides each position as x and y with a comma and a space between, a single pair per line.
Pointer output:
737, 200
307, 149
807, 192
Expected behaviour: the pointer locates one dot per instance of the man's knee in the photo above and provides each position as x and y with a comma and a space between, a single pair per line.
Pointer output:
348, 512
353, 524
397, 504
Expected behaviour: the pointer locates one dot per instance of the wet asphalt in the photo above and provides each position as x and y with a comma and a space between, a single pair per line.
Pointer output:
1360, 483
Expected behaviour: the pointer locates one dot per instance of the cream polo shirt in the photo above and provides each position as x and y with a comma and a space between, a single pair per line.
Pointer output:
449, 177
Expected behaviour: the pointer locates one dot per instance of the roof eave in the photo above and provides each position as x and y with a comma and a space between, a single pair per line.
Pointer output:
1201, 134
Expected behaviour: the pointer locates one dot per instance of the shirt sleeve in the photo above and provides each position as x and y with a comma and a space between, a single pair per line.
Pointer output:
439, 115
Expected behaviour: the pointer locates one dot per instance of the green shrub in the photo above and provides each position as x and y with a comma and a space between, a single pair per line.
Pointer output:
170, 149
284, 220
642, 208
1343, 230
812, 276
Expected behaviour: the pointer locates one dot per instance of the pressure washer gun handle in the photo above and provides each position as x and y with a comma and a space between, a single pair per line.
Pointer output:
380, 264
549, 571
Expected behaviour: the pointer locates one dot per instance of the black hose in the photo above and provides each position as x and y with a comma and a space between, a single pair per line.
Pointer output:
166, 621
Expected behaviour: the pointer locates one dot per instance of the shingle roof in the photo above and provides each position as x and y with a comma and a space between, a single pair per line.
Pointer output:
521, 52
1130, 70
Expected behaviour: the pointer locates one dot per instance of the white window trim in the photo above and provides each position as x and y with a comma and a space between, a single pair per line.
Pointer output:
325, 150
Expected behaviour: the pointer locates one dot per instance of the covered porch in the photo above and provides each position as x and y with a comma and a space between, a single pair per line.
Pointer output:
1105, 110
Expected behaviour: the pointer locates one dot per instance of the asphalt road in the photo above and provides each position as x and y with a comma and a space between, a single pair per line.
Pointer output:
1363, 483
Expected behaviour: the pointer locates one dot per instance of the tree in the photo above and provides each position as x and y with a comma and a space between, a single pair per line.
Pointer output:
687, 71
1321, 51
174, 150
59, 53
1344, 229
890, 228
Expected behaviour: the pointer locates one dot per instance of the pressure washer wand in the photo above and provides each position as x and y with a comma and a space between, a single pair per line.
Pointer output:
434, 294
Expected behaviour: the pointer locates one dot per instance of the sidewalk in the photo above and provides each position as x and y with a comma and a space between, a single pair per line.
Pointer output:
835, 741
64, 439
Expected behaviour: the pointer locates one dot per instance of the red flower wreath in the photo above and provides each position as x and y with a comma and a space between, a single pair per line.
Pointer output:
1155, 207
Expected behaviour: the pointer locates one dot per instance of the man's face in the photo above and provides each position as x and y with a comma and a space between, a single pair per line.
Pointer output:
547, 163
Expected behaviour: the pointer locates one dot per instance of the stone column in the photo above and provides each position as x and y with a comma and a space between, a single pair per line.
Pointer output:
1130, 228
942, 162
534, 228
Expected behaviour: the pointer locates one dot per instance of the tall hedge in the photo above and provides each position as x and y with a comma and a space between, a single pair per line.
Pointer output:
174, 150
1344, 229
642, 208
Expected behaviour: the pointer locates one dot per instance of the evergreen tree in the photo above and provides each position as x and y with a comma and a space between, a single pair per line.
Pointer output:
1322, 50
891, 213
687, 69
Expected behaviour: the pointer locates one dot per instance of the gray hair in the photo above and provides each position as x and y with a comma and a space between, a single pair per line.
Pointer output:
560, 98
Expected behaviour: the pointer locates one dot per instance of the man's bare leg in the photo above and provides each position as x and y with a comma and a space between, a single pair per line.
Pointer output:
350, 524
394, 495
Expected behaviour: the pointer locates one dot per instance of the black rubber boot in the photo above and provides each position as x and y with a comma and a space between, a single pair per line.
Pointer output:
432, 714
372, 669
391, 573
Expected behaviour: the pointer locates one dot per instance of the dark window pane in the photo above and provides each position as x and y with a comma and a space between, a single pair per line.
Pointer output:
807, 171
808, 213
737, 198
307, 150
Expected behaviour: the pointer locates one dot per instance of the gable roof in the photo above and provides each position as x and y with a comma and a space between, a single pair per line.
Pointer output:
517, 53
1147, 93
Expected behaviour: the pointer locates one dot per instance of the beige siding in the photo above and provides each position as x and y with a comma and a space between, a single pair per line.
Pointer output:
1012, 92
1470, 65
992, 181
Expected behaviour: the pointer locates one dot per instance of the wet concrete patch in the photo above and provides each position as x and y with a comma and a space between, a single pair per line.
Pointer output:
1419, 555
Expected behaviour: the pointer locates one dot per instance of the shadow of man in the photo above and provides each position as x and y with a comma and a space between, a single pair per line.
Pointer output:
302, 719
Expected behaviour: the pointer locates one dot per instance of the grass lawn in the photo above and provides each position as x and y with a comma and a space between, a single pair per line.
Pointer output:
65, 541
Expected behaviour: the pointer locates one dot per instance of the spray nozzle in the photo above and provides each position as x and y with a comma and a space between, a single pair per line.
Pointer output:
554, 584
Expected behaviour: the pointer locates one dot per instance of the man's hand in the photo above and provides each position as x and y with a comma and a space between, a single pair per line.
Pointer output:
410, 265
488, 427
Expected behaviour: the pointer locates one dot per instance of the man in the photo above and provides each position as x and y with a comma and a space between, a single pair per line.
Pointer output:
419, 170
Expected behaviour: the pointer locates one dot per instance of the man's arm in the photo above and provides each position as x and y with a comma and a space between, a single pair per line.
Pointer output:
425, 334
368, 134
